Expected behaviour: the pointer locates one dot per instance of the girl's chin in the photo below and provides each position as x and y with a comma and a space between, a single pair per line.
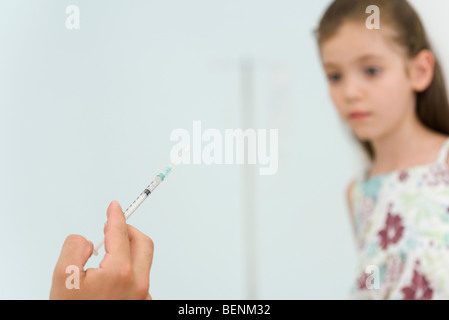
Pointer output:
365, 135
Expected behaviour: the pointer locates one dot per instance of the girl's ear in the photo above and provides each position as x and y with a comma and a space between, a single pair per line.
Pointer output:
422, 70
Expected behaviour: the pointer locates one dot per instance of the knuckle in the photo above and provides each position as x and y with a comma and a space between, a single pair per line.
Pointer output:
76, 239
142, 289
79, 242
125, 275
149, 242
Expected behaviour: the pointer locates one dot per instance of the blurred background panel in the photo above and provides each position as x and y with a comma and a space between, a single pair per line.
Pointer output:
86, 117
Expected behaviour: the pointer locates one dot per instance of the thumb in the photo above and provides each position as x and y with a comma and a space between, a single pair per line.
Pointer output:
75, 252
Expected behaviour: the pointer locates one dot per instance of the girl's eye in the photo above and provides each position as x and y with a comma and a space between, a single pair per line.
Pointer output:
372, 71
334, 77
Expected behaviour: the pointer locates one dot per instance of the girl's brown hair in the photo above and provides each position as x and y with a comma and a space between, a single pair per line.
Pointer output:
432, 106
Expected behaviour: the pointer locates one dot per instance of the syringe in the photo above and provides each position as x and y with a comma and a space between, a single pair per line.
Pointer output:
148, 190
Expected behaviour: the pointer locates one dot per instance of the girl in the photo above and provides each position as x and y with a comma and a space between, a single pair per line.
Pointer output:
387, 85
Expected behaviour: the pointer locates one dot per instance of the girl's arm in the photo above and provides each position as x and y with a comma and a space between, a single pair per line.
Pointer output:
349, 204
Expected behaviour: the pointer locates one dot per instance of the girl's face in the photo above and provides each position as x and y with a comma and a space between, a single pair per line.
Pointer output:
368, 81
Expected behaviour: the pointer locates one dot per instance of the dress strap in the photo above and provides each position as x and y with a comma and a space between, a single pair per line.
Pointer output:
444, 152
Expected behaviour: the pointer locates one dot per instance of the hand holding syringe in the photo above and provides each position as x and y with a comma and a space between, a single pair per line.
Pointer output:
148, 190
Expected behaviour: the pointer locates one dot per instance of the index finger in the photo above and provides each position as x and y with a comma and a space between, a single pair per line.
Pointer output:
116, 240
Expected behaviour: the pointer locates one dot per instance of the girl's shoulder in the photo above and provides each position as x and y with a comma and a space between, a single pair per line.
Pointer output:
442, 142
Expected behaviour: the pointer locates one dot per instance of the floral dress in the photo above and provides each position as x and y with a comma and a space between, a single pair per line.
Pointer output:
402, 232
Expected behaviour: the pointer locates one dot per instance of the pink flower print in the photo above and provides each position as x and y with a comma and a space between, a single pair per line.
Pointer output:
438, 175
392, 232
394, 269
367, 209
419, 289
361, 281
403, 175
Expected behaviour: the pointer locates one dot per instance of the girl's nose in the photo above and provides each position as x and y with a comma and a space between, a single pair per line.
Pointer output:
352, 89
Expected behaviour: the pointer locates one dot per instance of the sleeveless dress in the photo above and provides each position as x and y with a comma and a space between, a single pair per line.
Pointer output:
402, 232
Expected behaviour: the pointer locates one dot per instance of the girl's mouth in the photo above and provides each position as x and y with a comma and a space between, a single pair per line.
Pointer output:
359, 115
